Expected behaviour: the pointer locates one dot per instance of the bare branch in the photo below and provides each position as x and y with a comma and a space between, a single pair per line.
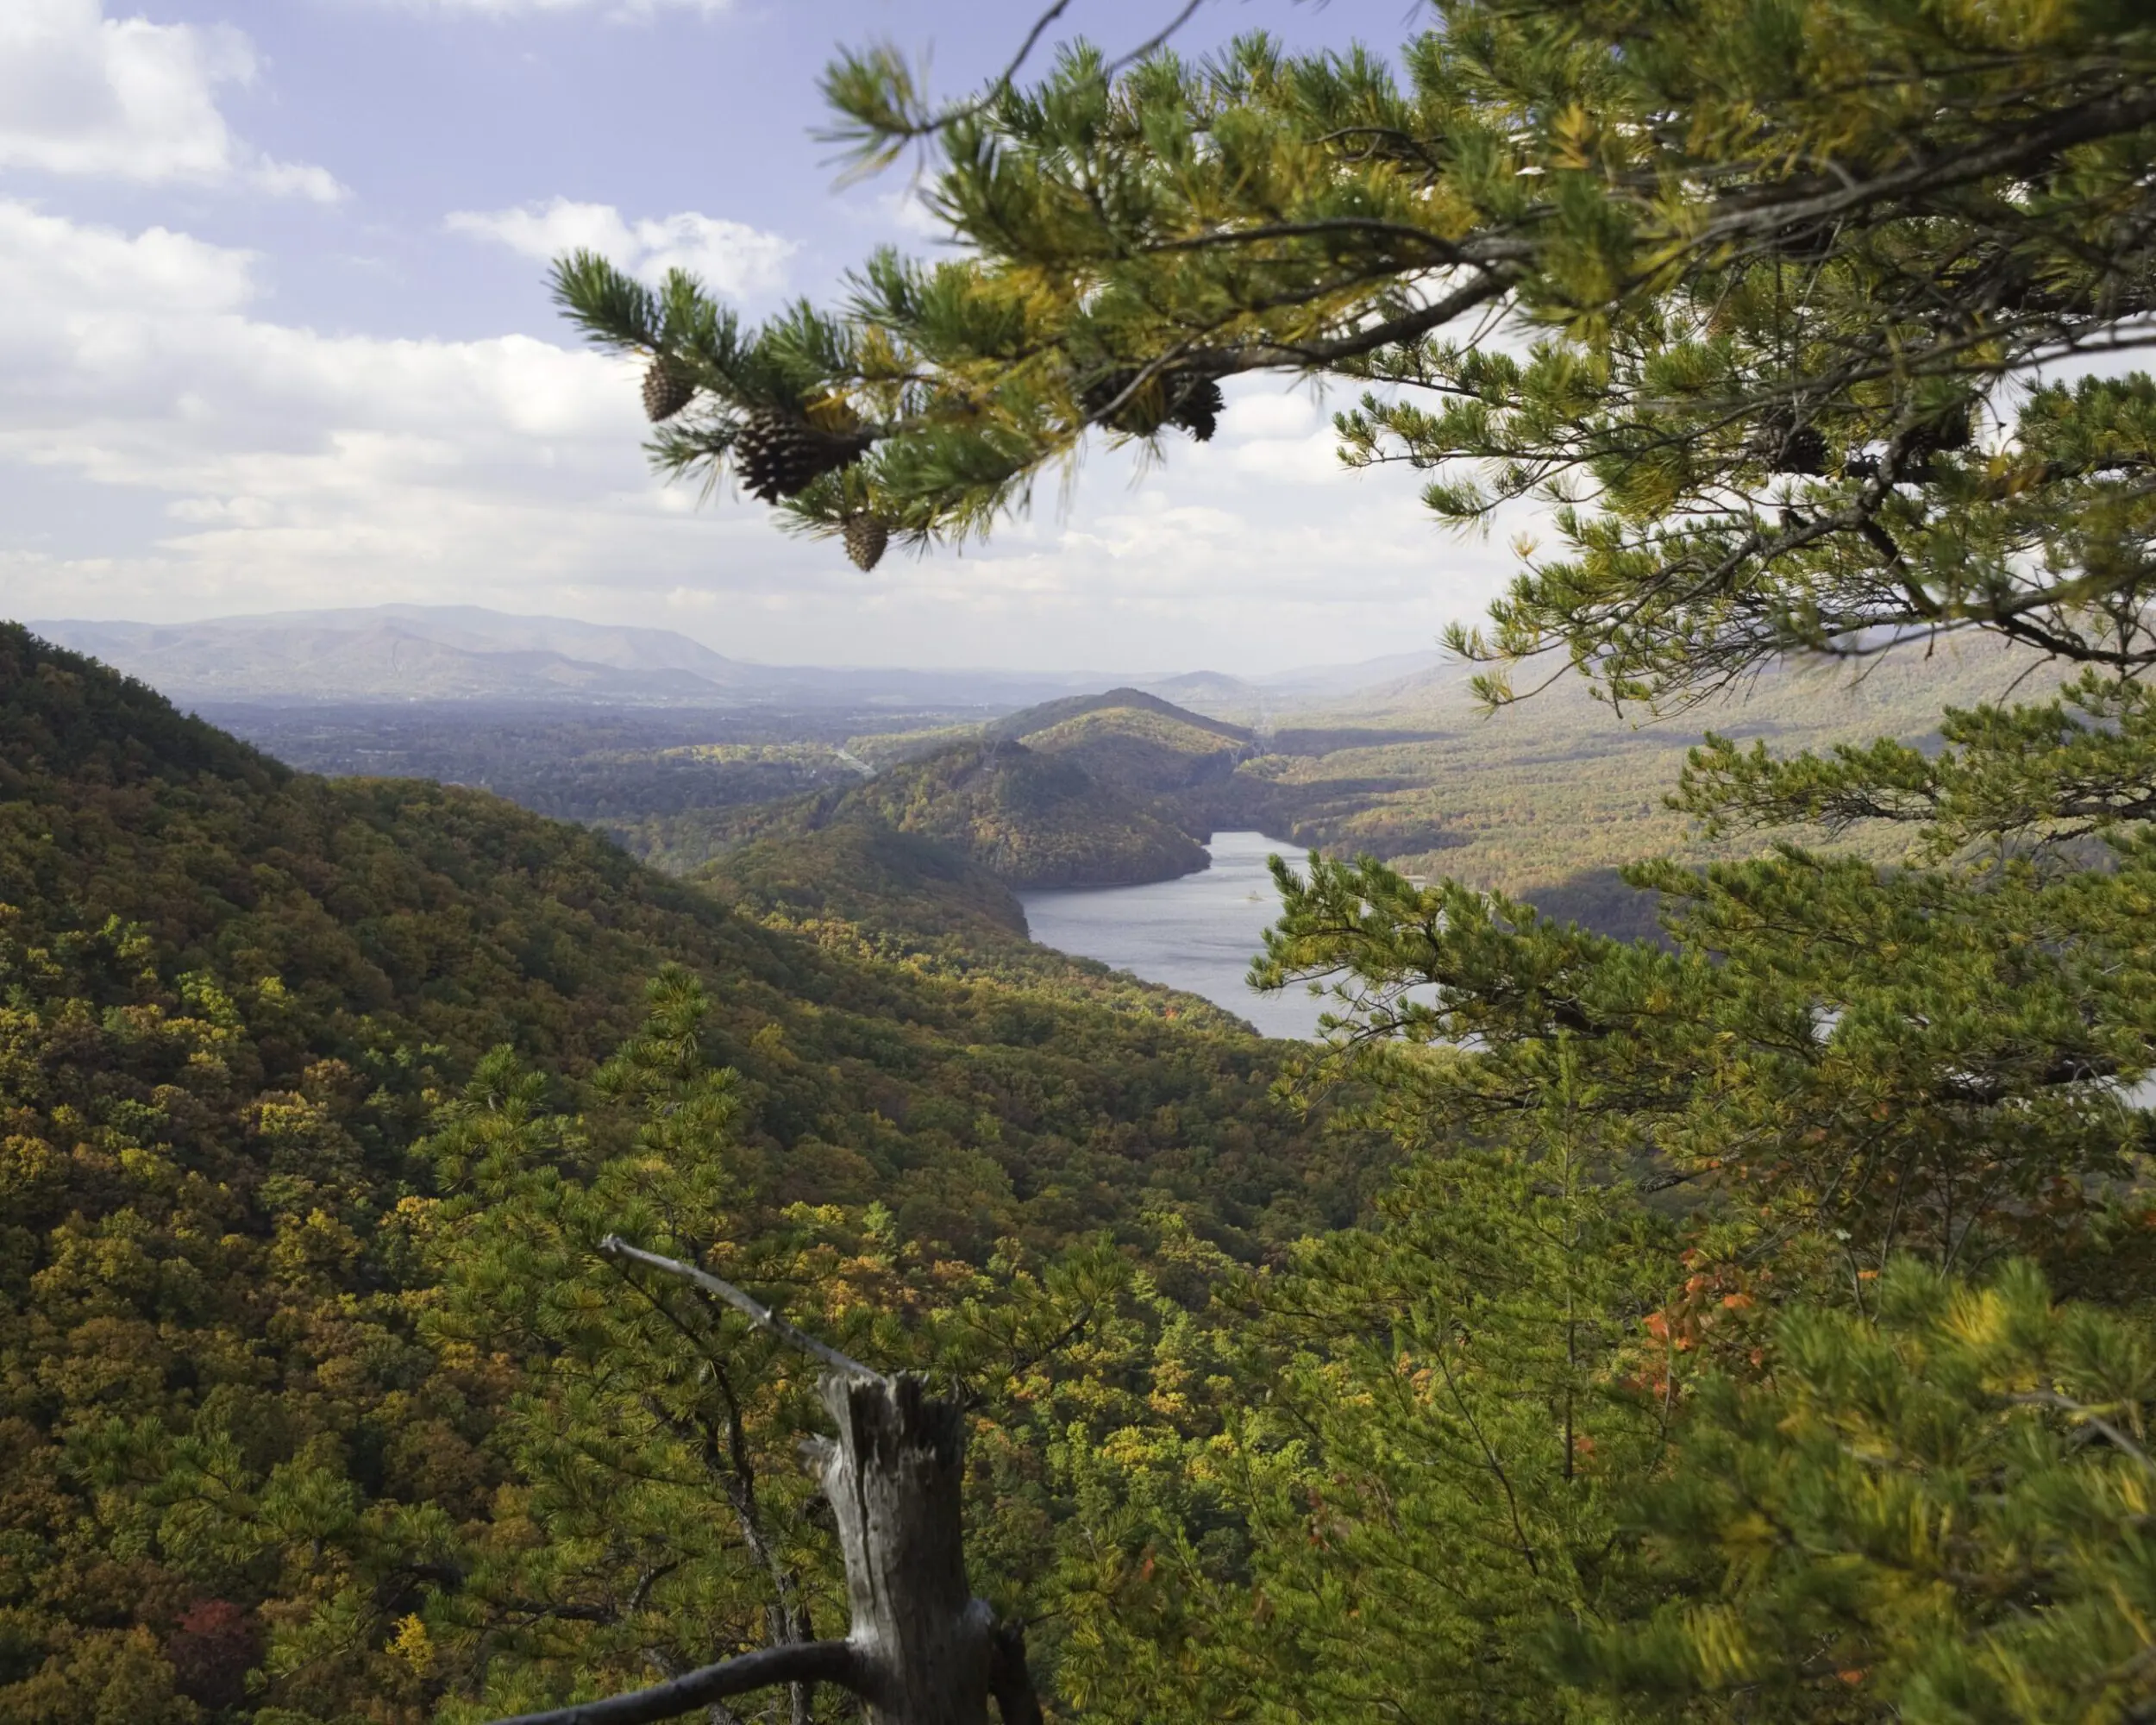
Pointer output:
837, 1662
1495, 281
2089, 1417
929, 125
614, 1247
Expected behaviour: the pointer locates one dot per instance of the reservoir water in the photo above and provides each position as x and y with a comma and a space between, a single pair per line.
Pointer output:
1198, 933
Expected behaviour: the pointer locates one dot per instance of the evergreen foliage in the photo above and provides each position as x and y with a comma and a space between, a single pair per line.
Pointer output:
1924, 1058
1458, 1407
1752, 294
312, 1405
1935, 1511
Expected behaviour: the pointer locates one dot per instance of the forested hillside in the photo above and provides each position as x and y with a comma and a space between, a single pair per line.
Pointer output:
1134, 742
1029, 817
1760, 1327
1753, 1324
242, 1441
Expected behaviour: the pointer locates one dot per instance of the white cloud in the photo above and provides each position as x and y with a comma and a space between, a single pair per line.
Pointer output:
81, 93
730, 257
227, 461
59, 271
295, 179
289, 463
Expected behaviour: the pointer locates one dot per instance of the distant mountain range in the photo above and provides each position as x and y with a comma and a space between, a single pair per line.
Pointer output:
465, 653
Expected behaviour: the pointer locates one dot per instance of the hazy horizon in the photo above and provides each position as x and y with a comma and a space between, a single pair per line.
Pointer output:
1286, 665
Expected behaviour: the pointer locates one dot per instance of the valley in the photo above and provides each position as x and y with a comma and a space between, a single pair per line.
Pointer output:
951, 1074
1546, 799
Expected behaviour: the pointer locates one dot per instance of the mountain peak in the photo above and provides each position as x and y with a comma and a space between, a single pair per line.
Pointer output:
1031, 721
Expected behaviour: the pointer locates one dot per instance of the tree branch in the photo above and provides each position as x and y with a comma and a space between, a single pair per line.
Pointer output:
617, 1249
2089, 1417
1494, 281
837, 1662
1009, 1680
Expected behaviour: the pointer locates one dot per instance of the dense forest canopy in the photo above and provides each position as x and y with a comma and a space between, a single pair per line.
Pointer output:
1703, 1360
278, 1147
1748, 1324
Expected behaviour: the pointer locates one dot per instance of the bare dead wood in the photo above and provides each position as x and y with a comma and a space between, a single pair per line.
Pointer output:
922, 1648
834, 1662
620, 1252
895, 1478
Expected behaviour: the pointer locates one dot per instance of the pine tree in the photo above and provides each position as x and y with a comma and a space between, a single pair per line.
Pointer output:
656, 1518
1929, 1058
663, 1522
1764, 304
1773, 283
1439, 1424
1934, 1510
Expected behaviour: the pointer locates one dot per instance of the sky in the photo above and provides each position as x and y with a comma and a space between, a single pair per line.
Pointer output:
277, 337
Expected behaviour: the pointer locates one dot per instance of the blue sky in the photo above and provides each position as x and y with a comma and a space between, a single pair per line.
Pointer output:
278, 337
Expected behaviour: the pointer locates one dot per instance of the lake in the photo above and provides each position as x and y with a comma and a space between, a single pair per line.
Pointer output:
1198, 933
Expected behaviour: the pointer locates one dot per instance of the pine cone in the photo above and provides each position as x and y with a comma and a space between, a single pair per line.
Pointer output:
1952, 430
668, 388
1178, 399
1200, 408
777, 455
865, 537
1787, 446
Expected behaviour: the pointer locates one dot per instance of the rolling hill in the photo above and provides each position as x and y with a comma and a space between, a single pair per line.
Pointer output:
236, 1000
1028, 818
1135, 743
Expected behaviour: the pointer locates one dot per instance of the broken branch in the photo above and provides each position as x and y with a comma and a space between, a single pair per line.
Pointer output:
614, 1247
834, 1662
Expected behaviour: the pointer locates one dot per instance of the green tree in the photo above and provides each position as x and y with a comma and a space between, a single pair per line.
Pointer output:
659, 1523
1928, 1058
1749, 294
1936, 1511
655, 1516
1442, 1421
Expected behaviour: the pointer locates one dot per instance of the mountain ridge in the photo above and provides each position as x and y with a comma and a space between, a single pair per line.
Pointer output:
401, 652
1046, 715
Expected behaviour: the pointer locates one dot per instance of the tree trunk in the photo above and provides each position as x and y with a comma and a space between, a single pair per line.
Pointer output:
922, 1650
895, 1476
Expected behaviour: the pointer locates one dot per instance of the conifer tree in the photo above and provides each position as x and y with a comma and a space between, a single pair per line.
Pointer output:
1766, 304
1936, 1511
661, 1523
1749, 294
1451, 1413
1932, 1058
658, 1519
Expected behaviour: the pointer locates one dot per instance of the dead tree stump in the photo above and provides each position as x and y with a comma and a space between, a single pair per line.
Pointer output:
921, 1649
894, 1477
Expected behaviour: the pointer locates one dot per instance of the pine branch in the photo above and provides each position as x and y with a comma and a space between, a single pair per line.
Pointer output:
611, 306
875, 92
